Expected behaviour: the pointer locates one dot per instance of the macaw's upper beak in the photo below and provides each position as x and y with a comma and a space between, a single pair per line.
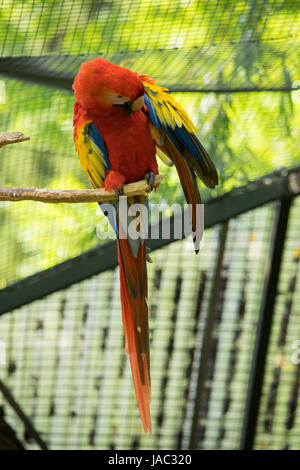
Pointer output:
132, 105
128, 107
138, 103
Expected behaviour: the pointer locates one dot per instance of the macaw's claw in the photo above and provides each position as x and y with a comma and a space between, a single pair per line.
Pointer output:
119, 192
150, 178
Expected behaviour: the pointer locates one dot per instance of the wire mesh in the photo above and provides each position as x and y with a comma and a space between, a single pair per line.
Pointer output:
187, 46
65, 354
247, 135
234, 66
35, 236
73, 27
279, 423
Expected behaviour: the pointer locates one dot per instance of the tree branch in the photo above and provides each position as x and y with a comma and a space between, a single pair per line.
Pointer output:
140, 188
12, 138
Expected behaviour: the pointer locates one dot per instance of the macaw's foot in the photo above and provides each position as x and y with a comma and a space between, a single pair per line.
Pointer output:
150, 178
114, 181
119, 192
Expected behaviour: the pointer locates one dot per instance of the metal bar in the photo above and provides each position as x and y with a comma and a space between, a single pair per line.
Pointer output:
52, 82
231, 90
264, 323
33, 70
8, 437
59, 277
25, 420
278, 185
207, 335
66, 85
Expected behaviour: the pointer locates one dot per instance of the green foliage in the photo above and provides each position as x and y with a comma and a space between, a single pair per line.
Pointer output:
185, 46
41, 27
247, 136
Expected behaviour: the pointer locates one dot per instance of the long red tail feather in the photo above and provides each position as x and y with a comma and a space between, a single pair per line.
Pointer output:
133, 286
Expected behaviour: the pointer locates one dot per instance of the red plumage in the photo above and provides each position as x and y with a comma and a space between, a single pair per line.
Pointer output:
116, 137
132, 154
130, 147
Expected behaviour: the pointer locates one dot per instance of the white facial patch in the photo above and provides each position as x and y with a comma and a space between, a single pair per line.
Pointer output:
118, 99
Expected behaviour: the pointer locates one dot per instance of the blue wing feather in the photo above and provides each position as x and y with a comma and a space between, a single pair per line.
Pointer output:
179, 135
173, 121
97, 139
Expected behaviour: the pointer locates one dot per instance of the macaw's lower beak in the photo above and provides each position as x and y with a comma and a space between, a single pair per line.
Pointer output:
138, 103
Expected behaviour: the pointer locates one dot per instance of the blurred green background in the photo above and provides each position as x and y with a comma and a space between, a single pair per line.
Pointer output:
234, 66
198, 45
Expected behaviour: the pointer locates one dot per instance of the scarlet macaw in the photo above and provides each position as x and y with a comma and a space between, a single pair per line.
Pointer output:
121, 121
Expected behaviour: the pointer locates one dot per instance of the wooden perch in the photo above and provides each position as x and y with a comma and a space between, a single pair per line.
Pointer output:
140, 188
12, 138
74, 195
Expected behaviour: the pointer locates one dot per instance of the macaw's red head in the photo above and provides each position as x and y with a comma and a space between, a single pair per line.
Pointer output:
105, 89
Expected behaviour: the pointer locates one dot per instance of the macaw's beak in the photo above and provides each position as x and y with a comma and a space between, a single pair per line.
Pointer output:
132, 105
128, 107
138, 103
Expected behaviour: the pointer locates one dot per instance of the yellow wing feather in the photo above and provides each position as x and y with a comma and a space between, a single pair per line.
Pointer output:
167, 108
91, 157
169, 122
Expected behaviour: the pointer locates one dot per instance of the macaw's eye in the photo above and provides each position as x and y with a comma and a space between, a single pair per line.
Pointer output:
118, 99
